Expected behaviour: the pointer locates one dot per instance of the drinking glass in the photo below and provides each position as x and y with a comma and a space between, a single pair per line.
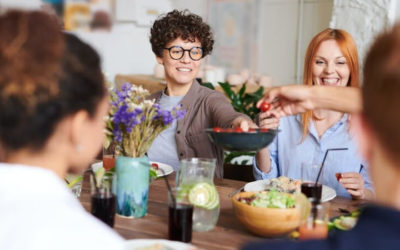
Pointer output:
74, 182
103, 200
315, 225
198, 174
309, 174
180, 213
109, 156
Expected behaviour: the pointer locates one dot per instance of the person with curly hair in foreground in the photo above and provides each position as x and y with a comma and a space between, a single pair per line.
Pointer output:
180, 40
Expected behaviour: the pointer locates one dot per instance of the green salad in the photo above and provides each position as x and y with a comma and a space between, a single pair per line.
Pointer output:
270, 199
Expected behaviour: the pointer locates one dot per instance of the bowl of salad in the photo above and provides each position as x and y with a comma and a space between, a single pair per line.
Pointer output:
269, 213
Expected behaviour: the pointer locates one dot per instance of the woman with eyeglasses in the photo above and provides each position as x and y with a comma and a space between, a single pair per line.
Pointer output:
180, 40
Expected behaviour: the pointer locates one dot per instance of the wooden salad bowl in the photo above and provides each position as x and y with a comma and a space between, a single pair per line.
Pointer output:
267, 222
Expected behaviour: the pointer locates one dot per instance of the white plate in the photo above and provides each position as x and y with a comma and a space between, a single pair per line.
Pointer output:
327, 192
175, 245
167, 168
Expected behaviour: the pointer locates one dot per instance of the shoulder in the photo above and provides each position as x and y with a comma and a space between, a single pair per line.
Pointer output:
211, 95
156, 95
70, 223
207, 91
290, 121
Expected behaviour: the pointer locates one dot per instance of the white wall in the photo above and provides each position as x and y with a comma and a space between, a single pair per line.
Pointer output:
282, 24
363, 20
23, 4
198, 7
125, 50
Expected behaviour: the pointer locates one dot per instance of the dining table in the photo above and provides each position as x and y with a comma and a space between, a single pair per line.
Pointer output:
229, 233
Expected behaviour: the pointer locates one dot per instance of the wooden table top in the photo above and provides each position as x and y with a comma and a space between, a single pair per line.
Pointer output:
228, 234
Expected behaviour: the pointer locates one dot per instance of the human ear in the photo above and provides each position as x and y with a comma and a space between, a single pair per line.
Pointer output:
79, 123
159, 60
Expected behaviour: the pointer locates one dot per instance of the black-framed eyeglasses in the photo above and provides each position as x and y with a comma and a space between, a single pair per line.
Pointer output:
177, 52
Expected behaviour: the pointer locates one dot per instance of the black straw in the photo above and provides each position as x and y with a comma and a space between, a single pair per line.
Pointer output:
317, 199
168, 186
323, 162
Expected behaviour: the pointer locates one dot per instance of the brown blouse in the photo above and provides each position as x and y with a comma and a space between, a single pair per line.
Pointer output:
205, 108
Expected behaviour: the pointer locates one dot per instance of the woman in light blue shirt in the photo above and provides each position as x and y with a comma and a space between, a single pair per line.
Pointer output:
331, 60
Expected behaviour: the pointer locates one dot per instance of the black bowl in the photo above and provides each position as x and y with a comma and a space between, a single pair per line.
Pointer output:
242, 141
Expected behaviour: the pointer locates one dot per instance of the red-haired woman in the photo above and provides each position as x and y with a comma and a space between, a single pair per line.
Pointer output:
331, 60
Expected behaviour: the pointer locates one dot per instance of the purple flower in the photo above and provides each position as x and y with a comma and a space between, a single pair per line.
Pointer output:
118, 135
165, 116
180, 113
125, 119
126, 87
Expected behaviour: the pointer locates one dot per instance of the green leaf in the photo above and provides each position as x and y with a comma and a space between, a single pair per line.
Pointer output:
244, 162
229, 156
228, 90
208, 85
242, 90
152, 173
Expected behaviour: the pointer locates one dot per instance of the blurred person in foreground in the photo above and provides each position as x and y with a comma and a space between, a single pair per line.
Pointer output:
180, 40
52, 101
331, 60
376, 123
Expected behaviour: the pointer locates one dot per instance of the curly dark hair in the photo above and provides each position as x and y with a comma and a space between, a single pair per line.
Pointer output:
182, 24
45, 76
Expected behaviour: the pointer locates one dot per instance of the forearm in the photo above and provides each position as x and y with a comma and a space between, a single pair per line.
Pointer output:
343, 99
263, 160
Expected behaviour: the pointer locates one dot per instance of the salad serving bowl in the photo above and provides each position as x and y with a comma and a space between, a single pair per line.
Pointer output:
266, 222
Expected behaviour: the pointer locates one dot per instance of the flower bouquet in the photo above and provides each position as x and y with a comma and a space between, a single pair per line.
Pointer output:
132, 125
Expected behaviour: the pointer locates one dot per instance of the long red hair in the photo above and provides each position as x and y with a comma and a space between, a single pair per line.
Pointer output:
349, 50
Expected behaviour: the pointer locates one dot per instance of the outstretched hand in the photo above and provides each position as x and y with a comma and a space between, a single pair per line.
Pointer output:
287, 100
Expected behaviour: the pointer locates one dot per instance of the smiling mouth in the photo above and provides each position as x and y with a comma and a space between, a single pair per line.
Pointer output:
330, 80
183, 69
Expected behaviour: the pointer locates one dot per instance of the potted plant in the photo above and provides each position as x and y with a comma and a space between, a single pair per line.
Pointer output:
244, 103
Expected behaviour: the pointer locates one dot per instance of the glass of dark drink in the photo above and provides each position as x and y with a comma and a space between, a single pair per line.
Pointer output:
103, 199
315, 225
180, 216
310, 189
110, 154
309, 176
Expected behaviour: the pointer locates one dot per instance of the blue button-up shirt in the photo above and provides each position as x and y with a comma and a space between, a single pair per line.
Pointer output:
287, 153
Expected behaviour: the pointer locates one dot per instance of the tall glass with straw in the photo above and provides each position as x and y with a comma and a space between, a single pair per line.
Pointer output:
315, 226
